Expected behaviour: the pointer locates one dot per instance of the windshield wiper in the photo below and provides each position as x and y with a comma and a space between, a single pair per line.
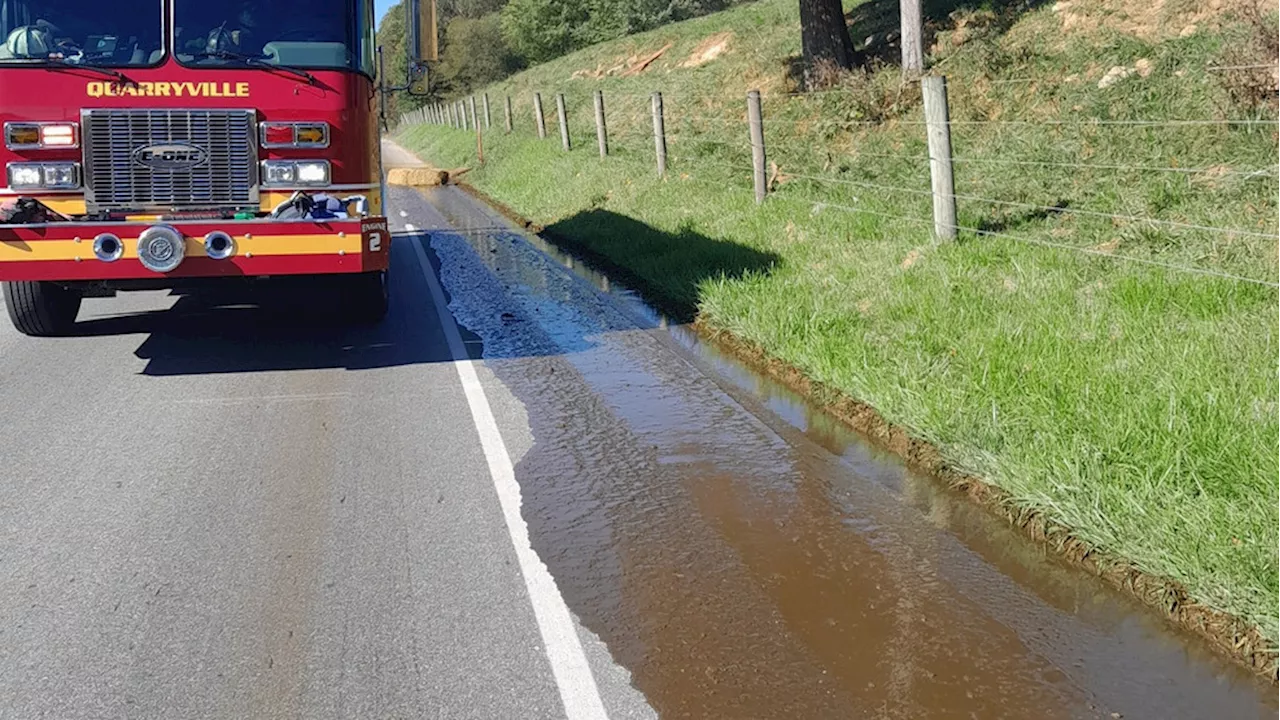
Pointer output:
258, 60
53, 62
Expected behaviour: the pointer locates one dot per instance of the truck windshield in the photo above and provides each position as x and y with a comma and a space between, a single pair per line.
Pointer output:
110, 33
313, 34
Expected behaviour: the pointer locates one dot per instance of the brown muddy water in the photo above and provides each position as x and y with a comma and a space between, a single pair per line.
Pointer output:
746, 556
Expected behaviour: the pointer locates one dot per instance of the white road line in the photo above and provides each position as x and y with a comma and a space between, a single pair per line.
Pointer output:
577, 686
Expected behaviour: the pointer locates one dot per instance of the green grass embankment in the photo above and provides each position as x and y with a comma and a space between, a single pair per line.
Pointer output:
1130, 402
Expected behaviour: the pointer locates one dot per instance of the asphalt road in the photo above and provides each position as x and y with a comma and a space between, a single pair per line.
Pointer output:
518, 485
224, 512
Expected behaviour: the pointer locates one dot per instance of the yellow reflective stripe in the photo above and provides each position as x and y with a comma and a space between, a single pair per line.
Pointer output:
16, 250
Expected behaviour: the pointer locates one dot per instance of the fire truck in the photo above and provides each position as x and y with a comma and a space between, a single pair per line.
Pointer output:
153, 144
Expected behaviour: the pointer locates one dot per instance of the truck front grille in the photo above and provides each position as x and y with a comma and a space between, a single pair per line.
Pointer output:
116, 178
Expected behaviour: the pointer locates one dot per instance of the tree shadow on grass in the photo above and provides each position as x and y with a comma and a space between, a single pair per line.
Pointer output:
669, 268
875, 25
875, 28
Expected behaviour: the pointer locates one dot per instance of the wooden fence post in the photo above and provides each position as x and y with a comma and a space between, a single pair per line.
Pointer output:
471, 101
563, 120
912, 44
488, 122
938, 123
755, 120
537, 115
659, 135
602, 136
508, 120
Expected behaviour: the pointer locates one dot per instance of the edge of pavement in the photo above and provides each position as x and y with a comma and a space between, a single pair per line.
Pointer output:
1226, 634
590, 683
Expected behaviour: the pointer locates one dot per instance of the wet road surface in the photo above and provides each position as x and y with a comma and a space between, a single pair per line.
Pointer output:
225, 511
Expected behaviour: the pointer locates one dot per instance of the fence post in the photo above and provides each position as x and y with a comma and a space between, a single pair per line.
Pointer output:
912, 45
755, 119
563, 120
508, 117
487, 122
602, 137
448, 115
659, 135
462, 110
472, 106
938, 122
537, 115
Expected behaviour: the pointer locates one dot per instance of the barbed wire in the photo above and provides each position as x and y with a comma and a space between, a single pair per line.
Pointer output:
1081, 122
1216, 170
1086, 122
821, 204
1055, 245
1215, 68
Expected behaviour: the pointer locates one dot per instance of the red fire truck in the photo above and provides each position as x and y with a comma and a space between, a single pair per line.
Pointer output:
161, 143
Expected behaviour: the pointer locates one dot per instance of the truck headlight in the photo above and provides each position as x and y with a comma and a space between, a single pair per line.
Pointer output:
44, 176
295, 172
39, 135
313, 173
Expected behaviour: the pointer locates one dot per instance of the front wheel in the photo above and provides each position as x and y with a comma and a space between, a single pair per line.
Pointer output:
366, 297
41, 309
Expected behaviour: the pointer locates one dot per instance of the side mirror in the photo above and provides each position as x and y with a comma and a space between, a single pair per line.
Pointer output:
421, 31
418, 79
421, 42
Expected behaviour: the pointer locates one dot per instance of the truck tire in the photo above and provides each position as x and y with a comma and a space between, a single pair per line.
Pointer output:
367, 297
41, 309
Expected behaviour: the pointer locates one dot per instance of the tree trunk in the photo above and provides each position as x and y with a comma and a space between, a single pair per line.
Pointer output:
825, 41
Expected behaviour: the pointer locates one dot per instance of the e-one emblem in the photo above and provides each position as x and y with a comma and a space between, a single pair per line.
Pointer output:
171, 156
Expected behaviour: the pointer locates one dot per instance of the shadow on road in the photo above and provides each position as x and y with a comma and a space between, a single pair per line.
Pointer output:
234, 331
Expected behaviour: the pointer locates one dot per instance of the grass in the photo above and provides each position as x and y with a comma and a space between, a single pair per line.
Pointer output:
1134, 403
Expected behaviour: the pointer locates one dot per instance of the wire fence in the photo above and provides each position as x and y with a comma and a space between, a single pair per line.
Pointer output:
635, 125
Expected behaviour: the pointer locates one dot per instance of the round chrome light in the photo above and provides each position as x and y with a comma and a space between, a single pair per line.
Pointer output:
161, 248
219, 245
108, 247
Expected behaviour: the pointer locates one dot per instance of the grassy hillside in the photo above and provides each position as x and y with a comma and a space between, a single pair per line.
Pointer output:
1117, 374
